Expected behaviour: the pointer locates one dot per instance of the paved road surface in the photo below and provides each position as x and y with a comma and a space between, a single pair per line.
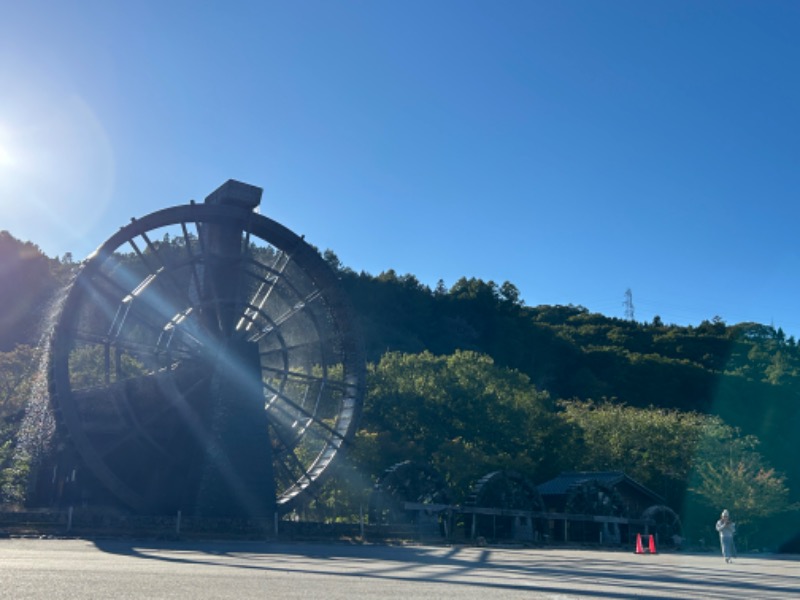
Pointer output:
55, 569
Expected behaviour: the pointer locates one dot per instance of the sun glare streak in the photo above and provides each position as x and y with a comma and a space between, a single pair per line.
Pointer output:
56, 168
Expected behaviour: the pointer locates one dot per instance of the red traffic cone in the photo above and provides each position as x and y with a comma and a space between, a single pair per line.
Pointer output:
652, 544
639, 548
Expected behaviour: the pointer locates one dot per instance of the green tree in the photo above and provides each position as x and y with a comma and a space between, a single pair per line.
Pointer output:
14, 470
654, 446
730, 472
670, 451
28, 282
460, 413
17, 370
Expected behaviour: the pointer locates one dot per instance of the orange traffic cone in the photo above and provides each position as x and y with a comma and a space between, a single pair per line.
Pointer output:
652, 544
639, 548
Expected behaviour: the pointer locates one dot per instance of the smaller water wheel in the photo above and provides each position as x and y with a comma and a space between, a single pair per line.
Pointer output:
501, 503
667, 525
407, 482
594, 498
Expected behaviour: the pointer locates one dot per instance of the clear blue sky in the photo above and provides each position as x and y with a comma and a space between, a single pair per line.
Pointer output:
574, 148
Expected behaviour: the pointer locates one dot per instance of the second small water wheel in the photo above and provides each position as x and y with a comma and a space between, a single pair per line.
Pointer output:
666, 526
411, 493
593, 498
503, 506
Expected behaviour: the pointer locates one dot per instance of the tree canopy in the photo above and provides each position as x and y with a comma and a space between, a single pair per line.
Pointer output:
470, 379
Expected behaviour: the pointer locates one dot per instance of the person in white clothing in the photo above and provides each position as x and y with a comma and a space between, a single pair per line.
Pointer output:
726, 529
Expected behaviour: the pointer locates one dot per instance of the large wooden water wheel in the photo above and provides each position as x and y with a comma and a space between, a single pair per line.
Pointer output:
206, 359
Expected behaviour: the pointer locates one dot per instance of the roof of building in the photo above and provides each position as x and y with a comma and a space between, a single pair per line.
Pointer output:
566, 480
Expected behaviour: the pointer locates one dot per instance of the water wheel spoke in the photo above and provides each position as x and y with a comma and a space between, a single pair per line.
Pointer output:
308, 379
298, 308
287, 457
166, 268
193, 258
287, 349
287, 407
127, 312
120, 306
305, 426
268, 282
135, 347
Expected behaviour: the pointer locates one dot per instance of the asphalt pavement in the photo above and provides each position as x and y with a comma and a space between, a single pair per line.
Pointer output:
51, 569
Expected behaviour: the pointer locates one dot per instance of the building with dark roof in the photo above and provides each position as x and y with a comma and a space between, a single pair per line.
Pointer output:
604, 506
559, 493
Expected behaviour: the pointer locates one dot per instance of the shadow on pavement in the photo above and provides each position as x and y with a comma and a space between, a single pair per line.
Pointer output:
586, 574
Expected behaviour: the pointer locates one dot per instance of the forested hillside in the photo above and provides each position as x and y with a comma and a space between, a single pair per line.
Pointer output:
28, 282
747, 373
471, 379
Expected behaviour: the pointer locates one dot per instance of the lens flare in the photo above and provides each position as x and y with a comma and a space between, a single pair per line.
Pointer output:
56, 168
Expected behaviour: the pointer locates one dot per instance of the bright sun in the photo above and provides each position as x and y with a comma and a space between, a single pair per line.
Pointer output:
56, 169
6, 158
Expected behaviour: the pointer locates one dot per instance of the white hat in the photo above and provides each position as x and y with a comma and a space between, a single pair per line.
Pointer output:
725, 513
